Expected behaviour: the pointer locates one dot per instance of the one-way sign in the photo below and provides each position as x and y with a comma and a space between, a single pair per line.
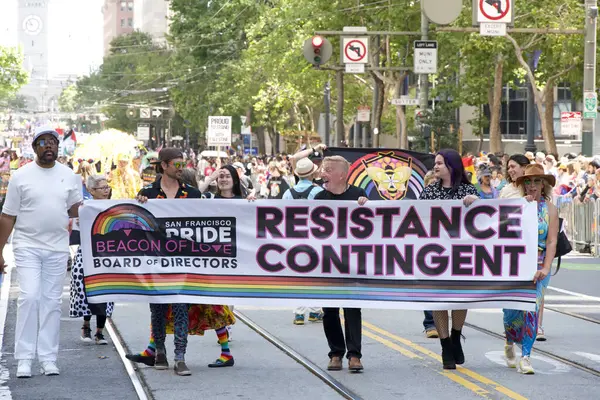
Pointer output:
156, 113
425, 56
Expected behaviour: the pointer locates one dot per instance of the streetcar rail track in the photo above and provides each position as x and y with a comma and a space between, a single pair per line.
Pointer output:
574, 315
546, 353
299, 358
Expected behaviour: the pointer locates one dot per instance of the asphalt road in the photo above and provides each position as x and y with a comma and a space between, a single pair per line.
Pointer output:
400, 363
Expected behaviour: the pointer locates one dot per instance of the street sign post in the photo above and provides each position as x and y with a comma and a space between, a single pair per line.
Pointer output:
571, 124
590, 105
492, 29
355, 50
425, 56
143, 132
405, 101
219, 131
363, 114
499, 11
145, 113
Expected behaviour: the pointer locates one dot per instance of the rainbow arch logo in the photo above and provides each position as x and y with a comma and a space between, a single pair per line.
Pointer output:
124, 217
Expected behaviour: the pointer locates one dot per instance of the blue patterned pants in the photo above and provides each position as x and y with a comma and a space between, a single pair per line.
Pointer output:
180, 325
521, 326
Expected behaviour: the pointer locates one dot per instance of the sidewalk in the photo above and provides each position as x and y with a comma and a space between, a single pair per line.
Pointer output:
88, 371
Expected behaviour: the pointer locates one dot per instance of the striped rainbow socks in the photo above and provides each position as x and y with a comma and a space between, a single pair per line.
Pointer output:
224, 342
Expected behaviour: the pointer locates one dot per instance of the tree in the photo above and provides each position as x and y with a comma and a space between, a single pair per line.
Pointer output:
67, 101
12, 74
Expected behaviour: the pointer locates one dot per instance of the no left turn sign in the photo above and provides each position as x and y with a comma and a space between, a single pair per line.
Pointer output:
495, 11
355, 50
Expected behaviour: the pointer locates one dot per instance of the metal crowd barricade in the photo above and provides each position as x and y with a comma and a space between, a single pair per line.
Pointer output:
581, 224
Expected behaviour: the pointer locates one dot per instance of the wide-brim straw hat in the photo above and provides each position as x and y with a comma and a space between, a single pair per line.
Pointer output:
305, 167
536, 171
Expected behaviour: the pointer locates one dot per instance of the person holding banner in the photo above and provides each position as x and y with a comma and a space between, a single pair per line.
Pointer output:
521, 326
452, 184
198, 317
335, 180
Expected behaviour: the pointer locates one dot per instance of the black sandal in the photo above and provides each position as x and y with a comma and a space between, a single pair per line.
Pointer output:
220, 363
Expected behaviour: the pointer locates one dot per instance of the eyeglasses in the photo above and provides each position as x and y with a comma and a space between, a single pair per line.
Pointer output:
178, 164
89, 160
45, 142
535, 181
102, 188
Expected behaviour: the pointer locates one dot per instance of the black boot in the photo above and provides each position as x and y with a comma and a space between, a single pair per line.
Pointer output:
448, 354
459, 356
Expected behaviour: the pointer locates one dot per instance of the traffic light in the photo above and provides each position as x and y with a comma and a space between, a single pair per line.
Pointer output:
317, 50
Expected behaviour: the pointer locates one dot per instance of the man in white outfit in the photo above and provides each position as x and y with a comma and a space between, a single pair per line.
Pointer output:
41, 197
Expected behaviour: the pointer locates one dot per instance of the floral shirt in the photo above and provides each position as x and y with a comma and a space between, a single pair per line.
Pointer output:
155, 191
436, 191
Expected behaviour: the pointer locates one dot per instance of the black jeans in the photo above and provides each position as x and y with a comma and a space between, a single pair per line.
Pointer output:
339, 346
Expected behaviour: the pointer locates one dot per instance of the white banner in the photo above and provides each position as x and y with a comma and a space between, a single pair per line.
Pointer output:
422, 255
219, 131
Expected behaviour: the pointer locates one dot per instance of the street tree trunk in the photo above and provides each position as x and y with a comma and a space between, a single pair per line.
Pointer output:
549, 139
496, 107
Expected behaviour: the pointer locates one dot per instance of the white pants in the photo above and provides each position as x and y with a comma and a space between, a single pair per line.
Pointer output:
41, 277
303, 310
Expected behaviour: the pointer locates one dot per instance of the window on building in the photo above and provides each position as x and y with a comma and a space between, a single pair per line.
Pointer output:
123, 5
563, 92
130, 22
130, 6
122, 22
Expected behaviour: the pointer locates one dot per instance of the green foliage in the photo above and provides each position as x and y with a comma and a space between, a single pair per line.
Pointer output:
12, 74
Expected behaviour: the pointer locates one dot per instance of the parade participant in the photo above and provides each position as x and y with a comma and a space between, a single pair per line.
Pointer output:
148, 169
335, 180
247, 187
276, 183
124, 180
79, 307
486, 191
41, 197
199, 317
305, 189
170, 164
452, 184
521, 326
514, 169
85, 170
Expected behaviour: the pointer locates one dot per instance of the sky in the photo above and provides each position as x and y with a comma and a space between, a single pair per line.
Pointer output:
75, 34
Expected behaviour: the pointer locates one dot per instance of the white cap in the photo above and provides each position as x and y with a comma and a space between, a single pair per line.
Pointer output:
44, 130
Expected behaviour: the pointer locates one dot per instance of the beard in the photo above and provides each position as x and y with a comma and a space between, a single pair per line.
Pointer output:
48, 157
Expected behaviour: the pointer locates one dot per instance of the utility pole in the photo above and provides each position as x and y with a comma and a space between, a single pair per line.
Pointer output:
589, 144
531, 112
327, 98
339, 122
424, 79
376, 89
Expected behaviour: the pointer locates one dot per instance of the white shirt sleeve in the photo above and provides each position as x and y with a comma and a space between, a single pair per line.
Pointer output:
76, 192
12, 204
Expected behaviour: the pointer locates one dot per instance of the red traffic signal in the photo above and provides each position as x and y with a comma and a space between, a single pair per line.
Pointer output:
317, 50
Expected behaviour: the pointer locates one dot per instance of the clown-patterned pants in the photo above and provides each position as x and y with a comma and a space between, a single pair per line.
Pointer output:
521, 326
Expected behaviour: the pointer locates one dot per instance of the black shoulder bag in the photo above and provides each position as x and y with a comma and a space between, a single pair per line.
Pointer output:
563, 246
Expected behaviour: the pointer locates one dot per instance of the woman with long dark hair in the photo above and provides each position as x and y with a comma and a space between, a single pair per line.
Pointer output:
515, 167
452, 184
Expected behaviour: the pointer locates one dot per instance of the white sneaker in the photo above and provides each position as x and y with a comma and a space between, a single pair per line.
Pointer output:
24, 369
525, 366
509, 355
540, 337
49, 368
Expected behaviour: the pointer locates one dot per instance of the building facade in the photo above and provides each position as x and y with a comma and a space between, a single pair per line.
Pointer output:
152, 17
118, 20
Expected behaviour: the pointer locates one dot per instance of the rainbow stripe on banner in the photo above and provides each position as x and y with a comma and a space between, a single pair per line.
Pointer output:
124, 216
270, 287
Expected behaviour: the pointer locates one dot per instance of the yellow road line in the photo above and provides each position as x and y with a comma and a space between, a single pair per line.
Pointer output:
468, 384
391, 345
474, 375
453, 377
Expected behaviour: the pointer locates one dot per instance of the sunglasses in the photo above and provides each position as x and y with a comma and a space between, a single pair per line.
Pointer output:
46, 142
178, 164
535, 181
89, 160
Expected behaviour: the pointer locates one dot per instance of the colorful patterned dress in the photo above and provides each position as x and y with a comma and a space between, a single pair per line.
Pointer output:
521, 326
